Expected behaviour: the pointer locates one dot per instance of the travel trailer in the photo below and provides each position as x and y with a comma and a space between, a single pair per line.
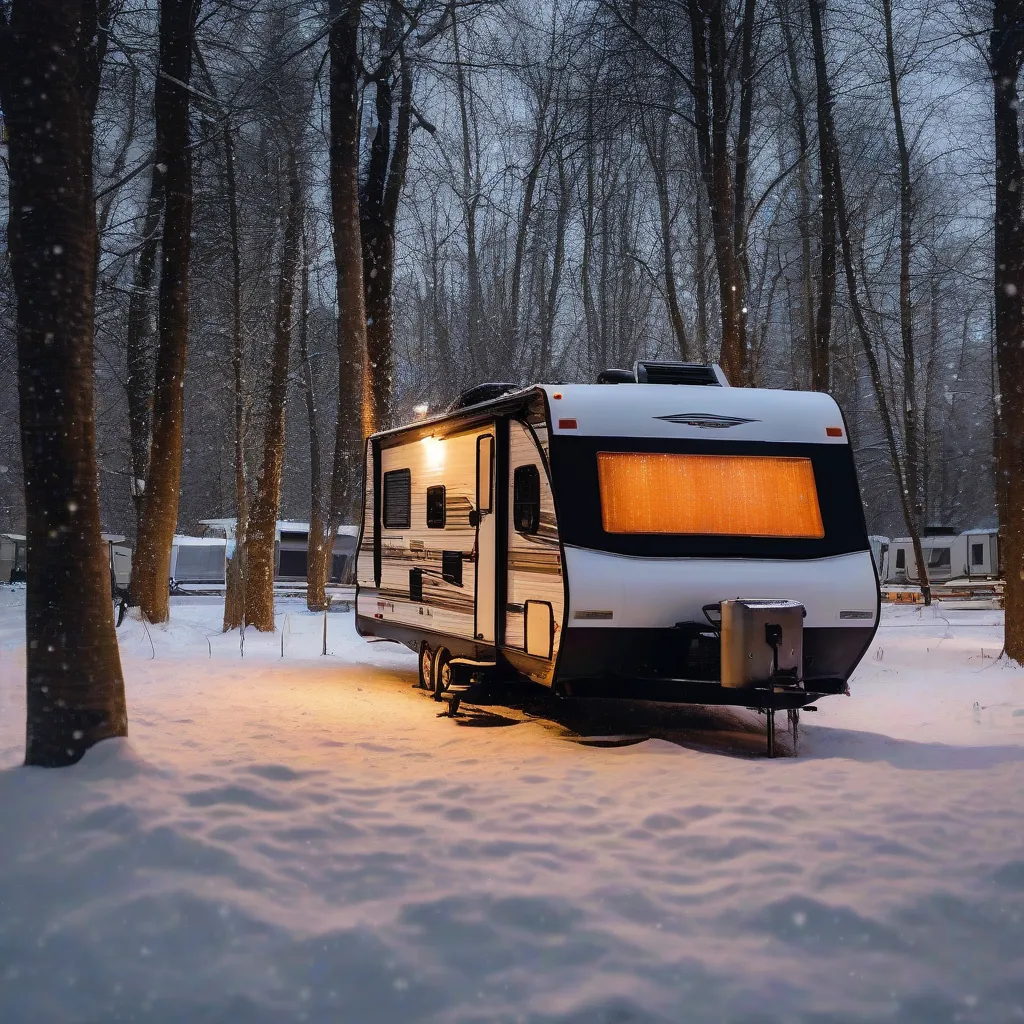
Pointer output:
13, 548
624, 538
973, 554
120, 557
291, 548
198, 560
880, 554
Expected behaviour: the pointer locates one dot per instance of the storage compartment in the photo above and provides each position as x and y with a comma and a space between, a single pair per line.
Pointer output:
762, 642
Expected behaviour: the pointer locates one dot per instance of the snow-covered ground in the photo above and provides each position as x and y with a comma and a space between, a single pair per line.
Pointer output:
303, 838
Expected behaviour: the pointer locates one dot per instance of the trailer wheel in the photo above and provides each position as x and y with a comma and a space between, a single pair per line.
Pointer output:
426, 663
442, 671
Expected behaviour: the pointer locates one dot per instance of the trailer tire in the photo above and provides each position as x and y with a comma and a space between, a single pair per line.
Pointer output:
442, 673
426, 666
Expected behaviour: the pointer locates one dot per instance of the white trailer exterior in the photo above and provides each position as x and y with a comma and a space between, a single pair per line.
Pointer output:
486, 537
973, 554
13, 550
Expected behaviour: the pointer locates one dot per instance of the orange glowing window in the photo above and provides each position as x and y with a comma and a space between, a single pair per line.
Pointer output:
723, 495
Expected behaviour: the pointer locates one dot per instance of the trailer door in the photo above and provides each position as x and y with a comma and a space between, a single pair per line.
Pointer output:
486, 541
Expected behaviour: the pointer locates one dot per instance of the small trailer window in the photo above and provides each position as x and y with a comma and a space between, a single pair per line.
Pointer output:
436, 507
708, 495
977, 554
526, 499
398, 499
938, 558
901, 558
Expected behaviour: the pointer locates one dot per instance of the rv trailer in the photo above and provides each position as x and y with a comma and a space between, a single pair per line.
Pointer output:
880, 554
658, 535
973, 554
13, 552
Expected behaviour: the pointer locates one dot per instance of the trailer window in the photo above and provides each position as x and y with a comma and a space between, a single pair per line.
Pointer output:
977, 554
708, 495
526, 499
901, 558
938, 558
436, 507
398, 499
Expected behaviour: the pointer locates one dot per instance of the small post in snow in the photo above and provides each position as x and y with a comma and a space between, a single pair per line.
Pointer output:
324, 652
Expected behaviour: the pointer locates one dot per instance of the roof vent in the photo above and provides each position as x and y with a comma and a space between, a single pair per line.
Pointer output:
482, 393
697, 374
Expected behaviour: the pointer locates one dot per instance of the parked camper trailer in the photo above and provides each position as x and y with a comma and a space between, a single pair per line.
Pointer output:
291, 548
880, 554
198, 560
973, 554
119, 555
617, 538
13, 548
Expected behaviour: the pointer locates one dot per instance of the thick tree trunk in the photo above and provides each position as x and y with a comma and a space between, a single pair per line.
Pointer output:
234, 594
49, 77
344, 157
259, 543
1006, 47
151, 565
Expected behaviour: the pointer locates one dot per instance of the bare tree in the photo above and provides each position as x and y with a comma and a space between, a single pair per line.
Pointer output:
151, 566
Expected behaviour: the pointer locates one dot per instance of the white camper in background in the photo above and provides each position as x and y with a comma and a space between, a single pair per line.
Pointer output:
880, 554
291, 548
595, 538
198, 560
13, 548
972, 554
981, 553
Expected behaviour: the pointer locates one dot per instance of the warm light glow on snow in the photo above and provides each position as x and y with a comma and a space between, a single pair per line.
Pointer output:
734, 495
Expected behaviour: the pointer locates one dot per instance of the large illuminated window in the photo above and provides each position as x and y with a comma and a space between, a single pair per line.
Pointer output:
723, 495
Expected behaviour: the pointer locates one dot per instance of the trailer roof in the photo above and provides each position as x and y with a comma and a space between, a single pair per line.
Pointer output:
664, 410
675, 410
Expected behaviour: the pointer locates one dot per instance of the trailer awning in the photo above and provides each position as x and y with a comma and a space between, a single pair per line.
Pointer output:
709, 495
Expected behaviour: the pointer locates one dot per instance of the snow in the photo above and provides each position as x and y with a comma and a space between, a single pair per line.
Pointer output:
303, 838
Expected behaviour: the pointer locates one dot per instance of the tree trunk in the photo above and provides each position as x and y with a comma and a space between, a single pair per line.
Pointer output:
818, 361
827, 160
138, 343
259, 542
711, 115
378, 213
234, 594
470, 200
319, 549
911, 442
49, 78
830, 153
1006, 46
151, 565
344, 157
657, 144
